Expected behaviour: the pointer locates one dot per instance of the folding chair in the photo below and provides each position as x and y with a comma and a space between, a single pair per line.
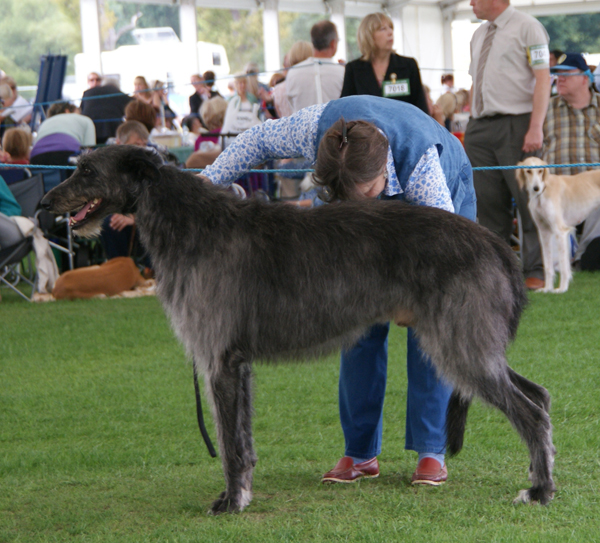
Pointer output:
14, 247
14, 175
28, 193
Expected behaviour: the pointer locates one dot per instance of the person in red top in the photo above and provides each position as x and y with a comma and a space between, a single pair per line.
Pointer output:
16, 143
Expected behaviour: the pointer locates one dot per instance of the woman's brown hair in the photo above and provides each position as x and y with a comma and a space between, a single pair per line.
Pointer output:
136, 110
16, 142
350, 154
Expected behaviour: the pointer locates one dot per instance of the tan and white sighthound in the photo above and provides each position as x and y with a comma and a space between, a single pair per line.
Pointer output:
557, 204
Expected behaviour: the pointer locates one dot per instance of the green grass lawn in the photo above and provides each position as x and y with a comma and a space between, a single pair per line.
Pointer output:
98, 438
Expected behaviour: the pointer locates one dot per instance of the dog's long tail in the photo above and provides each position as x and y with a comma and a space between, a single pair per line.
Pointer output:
456, 420
205, 436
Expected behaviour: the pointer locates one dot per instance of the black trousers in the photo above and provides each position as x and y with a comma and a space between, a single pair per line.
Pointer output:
497, 141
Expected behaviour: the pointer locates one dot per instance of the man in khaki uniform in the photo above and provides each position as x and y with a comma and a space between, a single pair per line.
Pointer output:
510, 93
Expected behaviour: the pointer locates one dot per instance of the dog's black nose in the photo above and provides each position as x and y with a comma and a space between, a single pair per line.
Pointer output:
536, 188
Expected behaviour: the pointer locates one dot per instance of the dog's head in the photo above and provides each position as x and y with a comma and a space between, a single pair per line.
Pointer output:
532, 179
108, 180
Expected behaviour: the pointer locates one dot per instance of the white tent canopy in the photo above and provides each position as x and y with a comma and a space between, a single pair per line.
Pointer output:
423, 28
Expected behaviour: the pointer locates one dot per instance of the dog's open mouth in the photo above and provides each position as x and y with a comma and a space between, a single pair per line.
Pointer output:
83, 215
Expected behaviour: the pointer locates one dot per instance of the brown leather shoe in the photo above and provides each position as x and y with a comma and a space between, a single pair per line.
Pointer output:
533, 283
346, 471
430, 472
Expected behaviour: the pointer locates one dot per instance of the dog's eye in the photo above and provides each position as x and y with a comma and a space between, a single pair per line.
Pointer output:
85, 170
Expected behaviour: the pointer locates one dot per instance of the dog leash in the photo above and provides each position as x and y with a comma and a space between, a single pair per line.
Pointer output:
205, 436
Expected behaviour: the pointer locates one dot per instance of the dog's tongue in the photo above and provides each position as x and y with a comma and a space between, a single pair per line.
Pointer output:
82, 213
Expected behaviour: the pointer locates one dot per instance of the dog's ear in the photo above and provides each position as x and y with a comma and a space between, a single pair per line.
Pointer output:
143, 164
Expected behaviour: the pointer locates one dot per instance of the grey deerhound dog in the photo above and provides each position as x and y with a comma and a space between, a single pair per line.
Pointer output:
243, 279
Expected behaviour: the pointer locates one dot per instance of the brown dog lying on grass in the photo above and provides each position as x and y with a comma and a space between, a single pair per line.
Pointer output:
109, 279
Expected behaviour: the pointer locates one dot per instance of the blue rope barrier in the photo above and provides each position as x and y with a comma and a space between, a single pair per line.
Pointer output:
480, 168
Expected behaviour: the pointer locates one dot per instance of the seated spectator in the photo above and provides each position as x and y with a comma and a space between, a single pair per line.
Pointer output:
193, 123
133, 133
201, 93
570, 128
299, 52
448, 83
555, 54
144, 113
16, 142
7, 99
138, 110
62, 135
242, 110
463, 100
160, 101
254, 86
21, 109
118, 235
8, 204
141, 89
447, 103
94, 79
213, 113
207, 148
105, 105
209, 80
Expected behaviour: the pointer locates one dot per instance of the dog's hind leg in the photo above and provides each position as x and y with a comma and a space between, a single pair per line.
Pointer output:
456, 420
229, 384
532, 422
536, 393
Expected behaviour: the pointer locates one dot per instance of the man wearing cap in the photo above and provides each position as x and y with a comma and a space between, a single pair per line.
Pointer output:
510, 93
572, 135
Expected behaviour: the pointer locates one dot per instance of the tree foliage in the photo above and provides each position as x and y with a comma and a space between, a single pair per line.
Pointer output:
574, 33
29, 29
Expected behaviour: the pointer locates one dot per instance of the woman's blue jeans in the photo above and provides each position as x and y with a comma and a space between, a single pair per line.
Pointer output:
363, 375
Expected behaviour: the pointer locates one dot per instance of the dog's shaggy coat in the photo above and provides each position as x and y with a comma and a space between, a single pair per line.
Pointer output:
243, 280
557, 204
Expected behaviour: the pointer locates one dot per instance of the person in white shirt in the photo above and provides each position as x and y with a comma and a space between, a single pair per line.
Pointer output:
319, 78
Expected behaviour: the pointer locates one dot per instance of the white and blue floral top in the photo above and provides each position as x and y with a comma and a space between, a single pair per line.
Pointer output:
296, 136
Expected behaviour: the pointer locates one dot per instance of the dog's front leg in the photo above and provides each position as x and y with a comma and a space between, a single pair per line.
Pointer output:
230, 388
547, 242
564, 260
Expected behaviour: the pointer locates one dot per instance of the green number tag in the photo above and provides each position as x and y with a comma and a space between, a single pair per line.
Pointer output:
538, 55
400, 87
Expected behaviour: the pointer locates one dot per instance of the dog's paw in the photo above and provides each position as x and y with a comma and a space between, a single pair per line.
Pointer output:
534, 496
224, 504
522, 497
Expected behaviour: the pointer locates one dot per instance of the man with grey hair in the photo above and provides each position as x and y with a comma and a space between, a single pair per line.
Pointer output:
319, 78
510, 93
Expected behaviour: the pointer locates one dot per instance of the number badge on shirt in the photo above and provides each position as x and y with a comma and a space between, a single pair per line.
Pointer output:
400, 87
538, 55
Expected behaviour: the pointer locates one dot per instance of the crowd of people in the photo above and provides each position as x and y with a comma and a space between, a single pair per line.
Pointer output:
371, 130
